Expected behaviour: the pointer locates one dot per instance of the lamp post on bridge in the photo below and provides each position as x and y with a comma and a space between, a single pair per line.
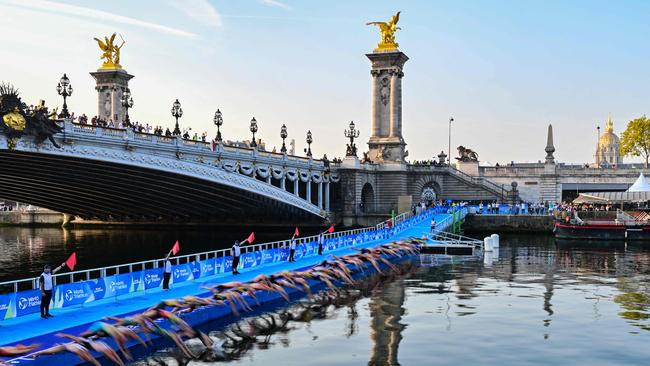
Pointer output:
598, 148
177, 112
253, 129
283, 135
127, 102
218, 121
352, 134
451, 119
64, 89
309, 141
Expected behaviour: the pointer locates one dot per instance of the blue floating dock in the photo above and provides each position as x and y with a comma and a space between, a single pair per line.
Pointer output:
31, 329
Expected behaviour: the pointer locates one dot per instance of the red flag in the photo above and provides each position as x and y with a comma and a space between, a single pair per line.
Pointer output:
251, 238
176, 248
72, 261
296, 233
331, 229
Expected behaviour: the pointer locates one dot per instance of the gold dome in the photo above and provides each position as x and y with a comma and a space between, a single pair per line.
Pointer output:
609, 137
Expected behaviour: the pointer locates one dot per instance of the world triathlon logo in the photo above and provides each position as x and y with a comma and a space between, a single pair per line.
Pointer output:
147, 279
22, 303
69, 295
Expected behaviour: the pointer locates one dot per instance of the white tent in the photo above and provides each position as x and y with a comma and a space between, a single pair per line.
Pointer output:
641, 185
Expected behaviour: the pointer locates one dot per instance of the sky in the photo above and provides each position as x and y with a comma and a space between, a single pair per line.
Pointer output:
503, 69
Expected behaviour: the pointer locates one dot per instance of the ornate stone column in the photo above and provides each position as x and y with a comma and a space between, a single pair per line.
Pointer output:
110, 84
394, 104
376, 128
309, 190
283, 183
296, 186
327, 196
320, 195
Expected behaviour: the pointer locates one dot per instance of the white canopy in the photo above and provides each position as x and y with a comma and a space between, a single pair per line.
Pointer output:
641, 185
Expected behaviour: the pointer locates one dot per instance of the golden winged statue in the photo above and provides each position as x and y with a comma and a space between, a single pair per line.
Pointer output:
387, 30
111, 52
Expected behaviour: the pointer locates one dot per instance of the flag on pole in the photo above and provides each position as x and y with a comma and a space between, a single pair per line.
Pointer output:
296, 233
176, 248
71, 261
251, 238
331, 229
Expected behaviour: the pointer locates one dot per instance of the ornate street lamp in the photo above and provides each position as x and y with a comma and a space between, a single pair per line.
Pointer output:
451, 119
352, 134
127, 102
309, 141
218, 121
253, 129
64, 89
177, 112
598, 148
283, 135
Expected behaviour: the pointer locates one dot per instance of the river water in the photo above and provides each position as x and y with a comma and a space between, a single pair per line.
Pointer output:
26, 250
540, 303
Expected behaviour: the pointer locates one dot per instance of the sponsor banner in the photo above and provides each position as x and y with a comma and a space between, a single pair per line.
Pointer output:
97, 287
267, 256
310, 248
284, 254
195, 267
137, 281
258, 257
72, 294
248, 260
330, 245
207, 267
181, 273
300, 251
152, 278
227, 264
6, 306
219, 265
27, 302
117, 285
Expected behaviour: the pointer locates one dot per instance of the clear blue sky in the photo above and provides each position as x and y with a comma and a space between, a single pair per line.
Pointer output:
502, 69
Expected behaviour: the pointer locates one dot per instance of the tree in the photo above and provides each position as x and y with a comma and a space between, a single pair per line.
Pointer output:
635, 140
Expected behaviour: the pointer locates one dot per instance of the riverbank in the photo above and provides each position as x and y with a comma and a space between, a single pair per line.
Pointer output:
509, 223
31, 218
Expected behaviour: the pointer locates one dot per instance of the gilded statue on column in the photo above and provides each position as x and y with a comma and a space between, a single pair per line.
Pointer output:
110, 52
387, 30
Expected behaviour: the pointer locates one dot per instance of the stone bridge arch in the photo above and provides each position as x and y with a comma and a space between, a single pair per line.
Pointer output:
426, 186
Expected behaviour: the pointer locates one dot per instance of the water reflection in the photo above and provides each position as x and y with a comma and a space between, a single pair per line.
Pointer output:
535, 296
26, 250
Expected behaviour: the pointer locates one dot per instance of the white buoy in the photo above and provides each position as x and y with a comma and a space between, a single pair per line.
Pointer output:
487, 244
495, 240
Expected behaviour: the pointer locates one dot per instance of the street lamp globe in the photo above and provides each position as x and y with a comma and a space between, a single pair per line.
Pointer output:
309, 141
218, 121
253, 129
64, 89
283, 135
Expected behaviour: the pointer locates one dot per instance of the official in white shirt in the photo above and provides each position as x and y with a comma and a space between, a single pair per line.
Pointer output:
321, 241
167, 273
292, 249
46, 285
235, 252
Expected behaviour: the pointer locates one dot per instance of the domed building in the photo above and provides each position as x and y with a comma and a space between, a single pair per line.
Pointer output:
608, 152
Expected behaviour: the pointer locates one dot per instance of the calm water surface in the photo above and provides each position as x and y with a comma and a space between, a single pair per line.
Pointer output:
540, 303
26, 250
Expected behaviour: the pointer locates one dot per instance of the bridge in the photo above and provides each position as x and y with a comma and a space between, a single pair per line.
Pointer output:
117, 174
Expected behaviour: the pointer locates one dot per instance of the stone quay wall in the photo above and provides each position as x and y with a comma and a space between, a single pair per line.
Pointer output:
509, 223
31, 218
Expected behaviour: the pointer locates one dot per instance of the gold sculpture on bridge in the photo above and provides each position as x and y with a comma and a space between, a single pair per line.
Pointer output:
387, 30
111, 52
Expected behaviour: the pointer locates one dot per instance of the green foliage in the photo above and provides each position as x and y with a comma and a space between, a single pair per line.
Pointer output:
635, 140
